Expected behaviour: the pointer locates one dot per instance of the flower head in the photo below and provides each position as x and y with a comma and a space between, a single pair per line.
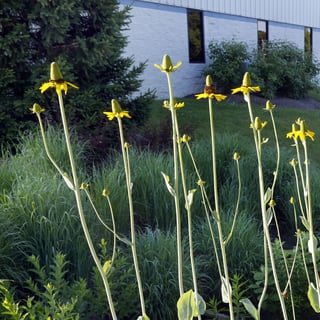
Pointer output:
36, 109
209, 91
302, 132
246, 86
167, 65
176, 105
57, 81
117, 111
258, 124
269, 106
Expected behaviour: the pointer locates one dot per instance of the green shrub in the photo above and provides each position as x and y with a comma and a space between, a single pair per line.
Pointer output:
228, 62
282, 68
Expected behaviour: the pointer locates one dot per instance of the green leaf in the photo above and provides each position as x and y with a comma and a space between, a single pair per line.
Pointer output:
267, 196
188, 307
314, 298
305, 223
190, 198
143, 317
168, 185
250, 308
184, 305
226, 290
269, 216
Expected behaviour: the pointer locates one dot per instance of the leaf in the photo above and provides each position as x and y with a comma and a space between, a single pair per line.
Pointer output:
188, 307
305, 223
68, 181
314, 297
143, 317
190, 198
269, 216
250, 308
267, 196
168, 185
226, 290
184, 306
312, 245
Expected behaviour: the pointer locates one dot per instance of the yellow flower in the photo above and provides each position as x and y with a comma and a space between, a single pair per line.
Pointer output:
269, 106
167, 65
57, 81
302, 133
116, 112
246, 86
176, 105
209, 91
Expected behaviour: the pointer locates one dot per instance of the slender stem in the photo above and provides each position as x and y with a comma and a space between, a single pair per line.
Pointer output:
131, 211
257, 140
176, 186
80, 209
218, 218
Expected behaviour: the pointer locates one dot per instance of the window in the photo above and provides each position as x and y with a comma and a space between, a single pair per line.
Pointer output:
262, 34
195, 35
307, 40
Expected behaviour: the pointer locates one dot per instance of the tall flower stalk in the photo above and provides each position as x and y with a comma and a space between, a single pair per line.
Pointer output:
57, 82
210, 94
118, 113
265, 195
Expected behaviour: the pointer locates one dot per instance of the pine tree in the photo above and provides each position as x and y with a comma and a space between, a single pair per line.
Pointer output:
86, 39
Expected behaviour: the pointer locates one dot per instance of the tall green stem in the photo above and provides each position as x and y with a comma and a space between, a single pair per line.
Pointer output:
131, 210
80, 209
176, 184
218, 218
257, 141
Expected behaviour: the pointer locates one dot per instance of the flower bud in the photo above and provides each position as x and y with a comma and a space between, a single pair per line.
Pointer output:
55, 73
236, 156
269, 105
209, 80
116, 108
167, 63
36, 109
246, 81
105, 192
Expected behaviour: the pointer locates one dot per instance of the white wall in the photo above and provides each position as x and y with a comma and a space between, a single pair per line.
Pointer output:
285, 32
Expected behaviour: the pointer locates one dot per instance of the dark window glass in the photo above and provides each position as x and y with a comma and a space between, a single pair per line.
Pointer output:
308, 40
195, 34
262, 34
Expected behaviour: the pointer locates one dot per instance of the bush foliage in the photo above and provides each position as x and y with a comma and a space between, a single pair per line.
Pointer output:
280, 69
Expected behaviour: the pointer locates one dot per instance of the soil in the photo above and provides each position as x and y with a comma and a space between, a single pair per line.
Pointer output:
281, 102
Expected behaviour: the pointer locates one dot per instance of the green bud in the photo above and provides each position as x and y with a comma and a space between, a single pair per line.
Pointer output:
246, 81
167, 63
55, 73
36, 109
209, 80
269, 105
116, 108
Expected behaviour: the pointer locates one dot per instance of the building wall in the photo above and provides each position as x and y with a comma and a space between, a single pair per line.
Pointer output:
157, 29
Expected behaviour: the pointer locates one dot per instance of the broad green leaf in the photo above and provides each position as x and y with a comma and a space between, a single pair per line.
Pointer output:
188, 307
185, 306
168, 185
314, 297
250, 308
199, 309
226, 290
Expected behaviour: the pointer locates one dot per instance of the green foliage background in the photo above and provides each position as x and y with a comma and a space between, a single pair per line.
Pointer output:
85, 38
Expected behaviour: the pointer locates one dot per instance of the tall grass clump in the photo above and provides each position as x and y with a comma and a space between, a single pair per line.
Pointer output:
35, 204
